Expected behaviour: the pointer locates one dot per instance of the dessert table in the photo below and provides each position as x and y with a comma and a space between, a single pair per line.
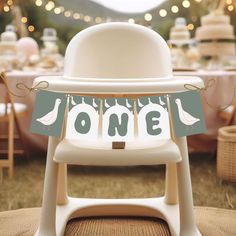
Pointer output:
220, 94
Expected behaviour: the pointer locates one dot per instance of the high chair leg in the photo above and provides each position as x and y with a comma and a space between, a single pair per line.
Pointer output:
187, 220
62, 197
48, 213
171, 188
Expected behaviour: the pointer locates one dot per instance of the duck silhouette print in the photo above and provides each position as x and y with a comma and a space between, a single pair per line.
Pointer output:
184, 116
51, 117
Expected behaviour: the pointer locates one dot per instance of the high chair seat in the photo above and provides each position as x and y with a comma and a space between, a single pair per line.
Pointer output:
99, 153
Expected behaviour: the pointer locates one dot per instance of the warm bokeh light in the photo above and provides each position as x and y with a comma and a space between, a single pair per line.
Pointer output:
230, 7
31, 28
50, 5
38, 3
98, 20
76, 16
9, 2
148, 17
162, 12
190, 26
174, 9
186, 4
24, 19
87, 18
198, 0
57, 10
62, 9
131, 21
229, 2
67, 13
6, 8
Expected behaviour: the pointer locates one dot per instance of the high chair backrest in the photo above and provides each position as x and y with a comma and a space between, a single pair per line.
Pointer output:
117, 50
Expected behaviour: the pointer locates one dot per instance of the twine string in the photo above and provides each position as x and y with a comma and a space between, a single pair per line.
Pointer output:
44, 85
21, 86
210, 83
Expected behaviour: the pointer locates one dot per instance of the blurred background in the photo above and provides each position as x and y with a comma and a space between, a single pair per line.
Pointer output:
30, 17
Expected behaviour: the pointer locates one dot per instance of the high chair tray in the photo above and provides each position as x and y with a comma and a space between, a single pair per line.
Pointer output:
119, 85
99, 153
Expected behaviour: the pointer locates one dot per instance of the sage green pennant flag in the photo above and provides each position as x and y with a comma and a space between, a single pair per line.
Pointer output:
187, 113
48, 114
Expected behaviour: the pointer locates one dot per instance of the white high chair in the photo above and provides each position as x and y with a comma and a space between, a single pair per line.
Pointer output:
120, 59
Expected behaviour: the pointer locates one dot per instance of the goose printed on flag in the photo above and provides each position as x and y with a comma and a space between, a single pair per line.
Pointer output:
187, 114
48, 114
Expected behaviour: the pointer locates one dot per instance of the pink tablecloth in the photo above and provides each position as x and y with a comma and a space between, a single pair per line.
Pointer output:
219, 95
33, 141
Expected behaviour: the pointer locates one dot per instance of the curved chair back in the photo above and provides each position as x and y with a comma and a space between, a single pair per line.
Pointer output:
117, 50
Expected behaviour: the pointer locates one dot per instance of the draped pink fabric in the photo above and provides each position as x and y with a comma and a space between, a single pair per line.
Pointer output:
220, 94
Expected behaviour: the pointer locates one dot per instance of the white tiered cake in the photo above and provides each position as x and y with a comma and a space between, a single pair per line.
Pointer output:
179, 32
216, 35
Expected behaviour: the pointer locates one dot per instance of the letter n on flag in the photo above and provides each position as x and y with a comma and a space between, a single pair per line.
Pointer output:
153, 118
118, 119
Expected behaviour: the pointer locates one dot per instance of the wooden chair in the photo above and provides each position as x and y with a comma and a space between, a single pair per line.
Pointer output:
118, 59
9, 113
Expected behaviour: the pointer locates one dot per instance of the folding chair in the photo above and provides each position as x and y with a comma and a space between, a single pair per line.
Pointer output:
9, 113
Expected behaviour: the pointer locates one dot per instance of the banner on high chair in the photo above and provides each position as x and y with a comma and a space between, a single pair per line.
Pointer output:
48, 114
83, 118
187, 114
153, 117
118, 119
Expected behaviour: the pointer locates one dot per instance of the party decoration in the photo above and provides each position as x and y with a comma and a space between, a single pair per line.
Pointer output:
83, 118
48, 114
153, 117
113, 118
118, 119
187, 111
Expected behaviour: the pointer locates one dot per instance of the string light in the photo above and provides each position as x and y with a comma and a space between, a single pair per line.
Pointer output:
162, 12
148, 17
57, 10
131, 21
50, 5
186, 4
198, 0
98, 20
9, 2
230, 7
31, 28
6, 8
190, 26
229, 2
24, 19
76, 16
38, 3
174, 9
62, 9
67, 13
87, 18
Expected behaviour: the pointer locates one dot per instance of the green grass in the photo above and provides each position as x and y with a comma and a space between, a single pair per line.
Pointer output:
25, 190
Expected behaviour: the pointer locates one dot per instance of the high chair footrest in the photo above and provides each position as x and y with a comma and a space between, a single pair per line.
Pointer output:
98, 153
